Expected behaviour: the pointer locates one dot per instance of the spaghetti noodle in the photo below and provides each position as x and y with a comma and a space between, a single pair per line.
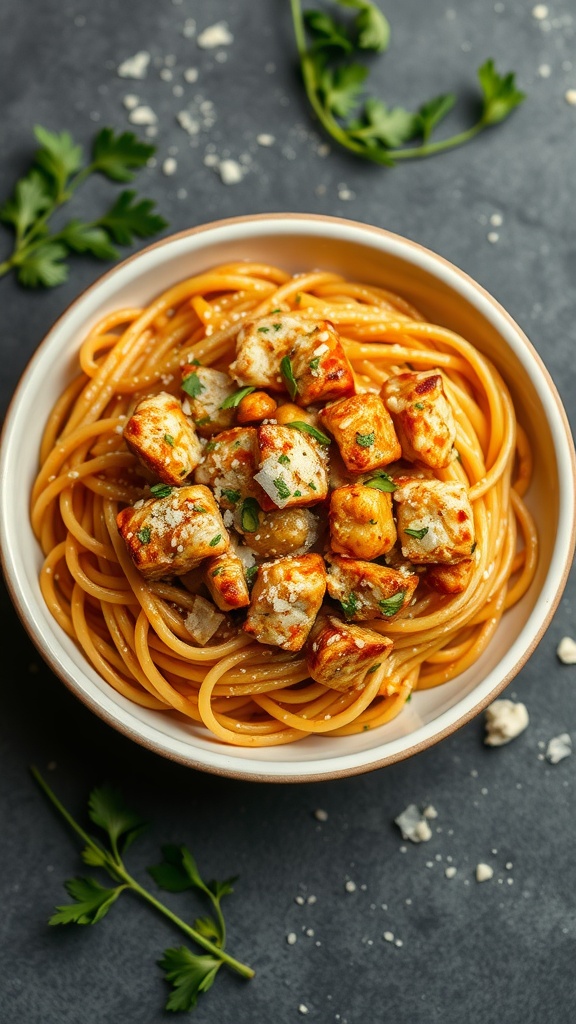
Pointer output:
133, 630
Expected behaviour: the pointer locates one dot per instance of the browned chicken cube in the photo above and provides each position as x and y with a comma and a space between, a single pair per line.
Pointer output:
361, 521
226, 580
170, 536
339, 655
435, 520
364, 432
367, 590
205, 390
229, 464
163, 438
285, 601
450, 579
293, 467
422, 417
320, 366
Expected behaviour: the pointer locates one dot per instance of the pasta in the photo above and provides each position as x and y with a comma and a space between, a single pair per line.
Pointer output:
136, 630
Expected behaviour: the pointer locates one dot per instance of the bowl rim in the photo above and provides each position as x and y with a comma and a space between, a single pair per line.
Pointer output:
222, 763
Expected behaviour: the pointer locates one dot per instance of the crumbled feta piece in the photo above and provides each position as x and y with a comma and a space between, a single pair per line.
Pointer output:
504, 721
230, 172
566, 650
413, 825
136, 66
142, 115
484, 872
215, 35
203, 620
558, 748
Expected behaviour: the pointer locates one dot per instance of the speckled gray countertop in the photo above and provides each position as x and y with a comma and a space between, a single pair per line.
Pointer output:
501, 208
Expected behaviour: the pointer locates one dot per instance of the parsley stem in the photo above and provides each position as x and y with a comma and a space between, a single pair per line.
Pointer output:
115, 867
430, 148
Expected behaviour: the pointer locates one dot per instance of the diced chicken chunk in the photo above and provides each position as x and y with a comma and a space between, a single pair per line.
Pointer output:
226, 580
205, 391
319, 365
293, 468
422, 417
435, 521
163, 438
170, 536
286, 599
203, 621
229, 464
361, 521
364, 432
262, 344
367, 590
450, 579
339, 655
290, 531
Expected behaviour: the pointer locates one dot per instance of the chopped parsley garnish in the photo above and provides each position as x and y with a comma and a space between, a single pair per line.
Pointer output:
215, 540
210, 446
373, 522
231, 495
382, 482
473, 548
418, 405
192, 385
169, 439
373, 669
297, 494
251, 572
233, 401
288, 377
249, 515
312, 486
391, 605
202, 422
365, 440
283, 460
350, 605
217, 571
199, 508
307, 428
272, 311
282, 488
161, 490
417, 533
276, 326
263, 330
144, 535
314, 363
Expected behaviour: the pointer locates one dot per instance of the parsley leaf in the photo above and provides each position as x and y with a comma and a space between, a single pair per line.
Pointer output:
58, 155
108, 810
189, 974
417, 533
215, 540
328, 30
499, 93
43, 266
307, 428
129, 218
288, 377
391, 605
349, 605
282, 488
232, 495
144, 535
116, 156
161, 490
381, 482
365, 440
233, 401
31, 198
87, 238
192, 385
93, 901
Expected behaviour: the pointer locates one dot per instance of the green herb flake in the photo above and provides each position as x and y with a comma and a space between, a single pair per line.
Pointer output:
282, 488
418, 405
350, 605
203, 421
312, 486
418, 534
307, 428
210, 446
249, 515
199, 508
473, 548
283, 460
297, 494
217, 571
233, 401
365, 440
272, 311
144, 535
314, 363
263, 330
231, 495
382, 482
169, 439
161, 490
251, 572
391, 605
373, 522
374, 668
215, 540
288, 377
192, 385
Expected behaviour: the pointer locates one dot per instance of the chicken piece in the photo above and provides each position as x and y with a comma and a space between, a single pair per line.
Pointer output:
364, 432
226, 580
320, 366
206, 389
229, 464
340, 655
203, 621
450, 579
262, 344
286, 599
290, 531
293, 468
170, 536
367, 590
163, 438
434, 520
361, 521
422, 417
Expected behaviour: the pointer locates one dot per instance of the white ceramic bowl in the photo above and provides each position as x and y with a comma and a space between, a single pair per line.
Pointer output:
445, 295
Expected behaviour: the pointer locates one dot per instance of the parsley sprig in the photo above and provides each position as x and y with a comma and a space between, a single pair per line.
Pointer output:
334, 84
189, 973
39, 256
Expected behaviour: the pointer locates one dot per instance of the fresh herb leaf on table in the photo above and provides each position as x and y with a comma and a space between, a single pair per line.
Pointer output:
189, 974
334, 84
39, 256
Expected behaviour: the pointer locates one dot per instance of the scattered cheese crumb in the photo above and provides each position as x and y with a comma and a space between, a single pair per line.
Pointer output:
169, 166
136, 66
320, 814
558, 748
350, 886
130, 101
142, 115
302, 1008
265, 140
493, 237
215, 35
388, 936
300, 901
540, 12
504, 721
483, 872
544, 71
413, 825
570, 97
450, 872
566, 650
291, 938
430, 812
230, 172
191, 75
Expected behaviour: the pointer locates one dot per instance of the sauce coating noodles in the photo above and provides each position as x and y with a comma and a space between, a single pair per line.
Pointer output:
132, 630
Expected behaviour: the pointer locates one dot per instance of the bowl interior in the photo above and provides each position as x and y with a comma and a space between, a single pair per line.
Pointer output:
444, 295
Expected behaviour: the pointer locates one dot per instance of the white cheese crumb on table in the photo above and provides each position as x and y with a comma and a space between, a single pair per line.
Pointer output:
484, 872
566, 651
142, 116
320, 814
413, 825
230, 172
291, 938
265, 140
215, 35
169, 166
136, 66
302, 1008
540, 12
504, 720
570, 97
450, 872
558, 748
350, 886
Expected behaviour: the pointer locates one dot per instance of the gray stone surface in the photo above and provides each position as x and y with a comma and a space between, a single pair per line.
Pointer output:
499, 951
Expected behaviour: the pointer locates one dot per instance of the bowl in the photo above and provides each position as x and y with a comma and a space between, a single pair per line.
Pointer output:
446, 296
